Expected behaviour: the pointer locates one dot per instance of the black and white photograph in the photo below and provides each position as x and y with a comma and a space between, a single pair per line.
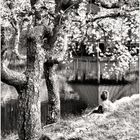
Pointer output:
69, 70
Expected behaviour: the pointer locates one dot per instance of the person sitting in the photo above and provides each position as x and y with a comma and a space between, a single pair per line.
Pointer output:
105, 106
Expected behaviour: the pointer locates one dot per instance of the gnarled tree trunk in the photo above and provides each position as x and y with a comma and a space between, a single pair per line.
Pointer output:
29, 123
28, 103
53, 93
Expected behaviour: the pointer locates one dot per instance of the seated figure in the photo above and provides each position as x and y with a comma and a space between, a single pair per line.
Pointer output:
106, 105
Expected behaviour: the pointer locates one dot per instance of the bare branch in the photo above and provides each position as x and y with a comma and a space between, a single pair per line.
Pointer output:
114, 4
110, 15
17, 42
105, 5
17, 25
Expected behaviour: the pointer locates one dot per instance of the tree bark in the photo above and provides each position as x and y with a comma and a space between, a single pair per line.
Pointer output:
53, 93
28, 102
29, 123
11, 77
49, 68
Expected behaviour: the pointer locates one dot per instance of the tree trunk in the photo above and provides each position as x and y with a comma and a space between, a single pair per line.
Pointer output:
29, 123
53, 93
29, 104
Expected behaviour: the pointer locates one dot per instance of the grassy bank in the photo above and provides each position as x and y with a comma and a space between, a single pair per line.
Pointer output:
122, 124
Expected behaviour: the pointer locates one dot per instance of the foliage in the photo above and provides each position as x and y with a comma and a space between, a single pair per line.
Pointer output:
84, 25
116, 27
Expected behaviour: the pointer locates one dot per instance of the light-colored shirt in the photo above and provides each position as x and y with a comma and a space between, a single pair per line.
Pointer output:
108, 106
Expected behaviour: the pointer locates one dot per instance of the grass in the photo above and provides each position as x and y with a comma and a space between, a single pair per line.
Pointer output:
122, 124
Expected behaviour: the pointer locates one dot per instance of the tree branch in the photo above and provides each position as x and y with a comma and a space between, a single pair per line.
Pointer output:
107, 6
109, 15
112, 15
16, 46
55, 31
8, 76
13, 19
17, 25
98, 17
16, 35
113, 4
11, 77
133, 9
